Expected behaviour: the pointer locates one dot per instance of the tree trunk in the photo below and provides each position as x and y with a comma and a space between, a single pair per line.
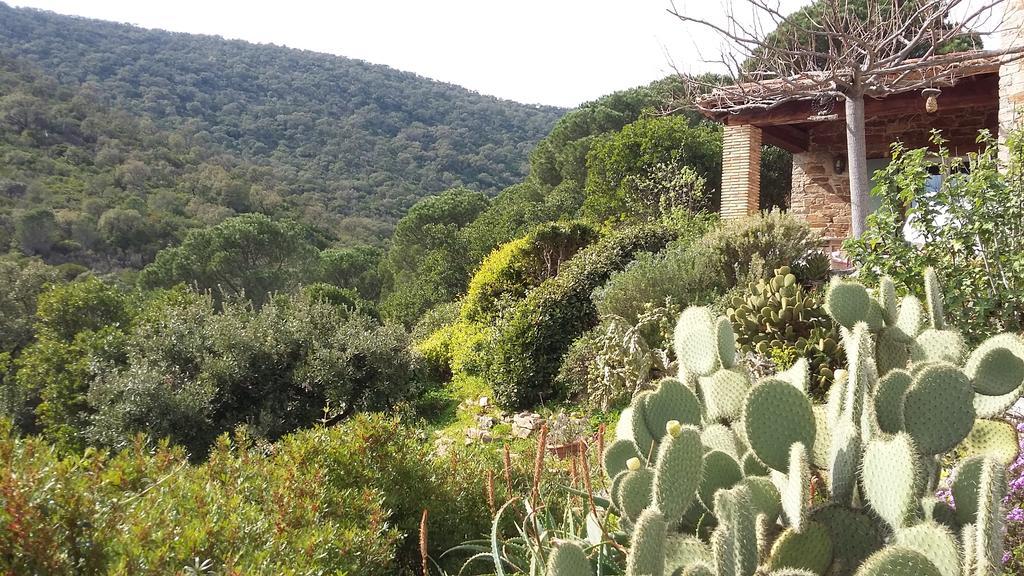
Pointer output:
857, 163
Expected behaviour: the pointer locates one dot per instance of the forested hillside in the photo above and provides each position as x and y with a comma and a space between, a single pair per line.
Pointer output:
359, 139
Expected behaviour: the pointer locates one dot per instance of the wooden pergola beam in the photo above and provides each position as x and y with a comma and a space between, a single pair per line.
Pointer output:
968, 93
788, 137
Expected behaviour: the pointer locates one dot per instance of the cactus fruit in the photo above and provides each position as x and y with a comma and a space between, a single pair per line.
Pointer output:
568, 559
712, 474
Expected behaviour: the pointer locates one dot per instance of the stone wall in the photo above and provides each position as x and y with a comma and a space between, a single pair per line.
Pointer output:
821, 197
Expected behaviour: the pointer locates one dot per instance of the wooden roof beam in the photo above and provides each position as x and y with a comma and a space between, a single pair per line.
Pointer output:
976, 92
788, 137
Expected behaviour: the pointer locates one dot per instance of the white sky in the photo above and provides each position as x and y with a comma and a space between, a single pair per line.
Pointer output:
558, 52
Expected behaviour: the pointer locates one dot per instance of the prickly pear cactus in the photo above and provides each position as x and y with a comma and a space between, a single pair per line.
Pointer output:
778, 314
716, 475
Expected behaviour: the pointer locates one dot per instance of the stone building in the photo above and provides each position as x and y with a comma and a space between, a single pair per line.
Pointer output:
985, 95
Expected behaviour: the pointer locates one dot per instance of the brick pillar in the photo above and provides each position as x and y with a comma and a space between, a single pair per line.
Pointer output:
741, 171
1011, 75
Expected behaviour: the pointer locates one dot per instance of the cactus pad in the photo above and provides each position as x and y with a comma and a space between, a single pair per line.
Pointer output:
635, 492
809, 550
847, 302
897, 561
775, 416
796, 491
996, 367
938, 409
682, 551
938, 346
889, 400
721, 471
845, 461
641, 434
797, 374
988, 534
933, 300
822, 438
616, 455
992, 438
965, 488
677, 473
934, 541
647, 549
854, 535
887, 299
671, 400
764, 496
910, 320
697, 341
723, 393
568, 559
752, 466
890, 478
721, 437
699, 569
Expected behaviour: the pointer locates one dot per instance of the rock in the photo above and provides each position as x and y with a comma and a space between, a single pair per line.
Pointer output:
486, 422
478, 434
483, 402
524, 423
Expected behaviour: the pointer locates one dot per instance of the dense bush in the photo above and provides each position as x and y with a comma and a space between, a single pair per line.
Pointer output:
751, 247
696, 270
177, 367
531, 341
282, 367
968, 225
514, 269
345, 499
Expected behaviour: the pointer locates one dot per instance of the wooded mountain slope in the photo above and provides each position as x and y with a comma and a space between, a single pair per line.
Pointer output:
361, 139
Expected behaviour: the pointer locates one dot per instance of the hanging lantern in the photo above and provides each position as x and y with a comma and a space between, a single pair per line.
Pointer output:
931, 102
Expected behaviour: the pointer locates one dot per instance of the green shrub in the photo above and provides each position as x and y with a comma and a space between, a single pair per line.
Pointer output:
968, 227
282, 367
755, 245
509, 272
704, 264
345, 499
530, 343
